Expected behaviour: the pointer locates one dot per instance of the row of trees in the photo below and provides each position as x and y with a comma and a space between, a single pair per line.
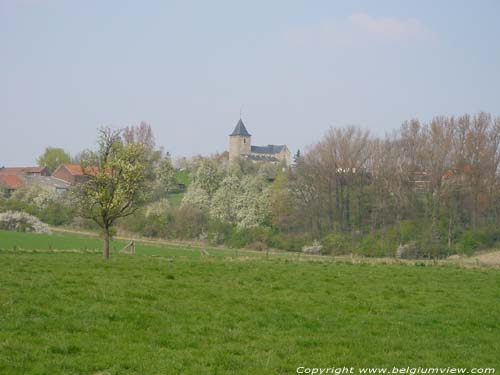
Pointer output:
445, 173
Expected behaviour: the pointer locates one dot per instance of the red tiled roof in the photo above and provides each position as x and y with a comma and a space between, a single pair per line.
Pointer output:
11, 181
20, 170
74, 169
77, 170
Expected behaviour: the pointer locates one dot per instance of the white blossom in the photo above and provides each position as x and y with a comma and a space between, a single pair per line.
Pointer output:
22, 222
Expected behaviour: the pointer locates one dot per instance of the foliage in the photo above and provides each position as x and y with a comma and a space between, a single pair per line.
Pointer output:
473, 240
243, 202
207, 177
196, 197
315, 248
253, 203
165, 178
288, 241
337, 244
188, 222
159, 207
116, 182
22, 222
35, 196
50, 207
53, 157
226, 202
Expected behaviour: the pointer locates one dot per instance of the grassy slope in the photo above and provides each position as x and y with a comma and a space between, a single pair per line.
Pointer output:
66, 313
182, 177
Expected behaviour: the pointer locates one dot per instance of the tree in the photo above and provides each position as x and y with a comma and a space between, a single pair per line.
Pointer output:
196, 197
143, 134
53, 157
165, 180
116, 175
207, 177
280, 201
296, 157
226, 200
253, 203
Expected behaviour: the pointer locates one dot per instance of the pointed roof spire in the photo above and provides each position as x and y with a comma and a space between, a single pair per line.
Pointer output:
240, 130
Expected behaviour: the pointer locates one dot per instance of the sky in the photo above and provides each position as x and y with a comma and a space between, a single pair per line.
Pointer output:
294, 69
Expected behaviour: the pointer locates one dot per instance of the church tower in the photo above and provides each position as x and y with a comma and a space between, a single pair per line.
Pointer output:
239, 141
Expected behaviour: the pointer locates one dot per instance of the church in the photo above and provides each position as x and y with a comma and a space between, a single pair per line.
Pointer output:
240, 145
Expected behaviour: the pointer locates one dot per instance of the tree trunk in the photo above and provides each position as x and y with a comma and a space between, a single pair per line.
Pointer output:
105, 250
450, 226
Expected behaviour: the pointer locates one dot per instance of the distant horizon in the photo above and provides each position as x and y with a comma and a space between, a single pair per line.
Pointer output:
188, 68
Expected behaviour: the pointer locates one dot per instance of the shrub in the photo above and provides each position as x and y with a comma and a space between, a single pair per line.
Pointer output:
409, 250
315, 248
218, 232
22, 222
188, 222
56, 213
473, 240
247, 236
288, 241
371, 246
337, 244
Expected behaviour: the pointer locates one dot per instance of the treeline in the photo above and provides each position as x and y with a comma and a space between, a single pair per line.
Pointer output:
426, 190
433, 187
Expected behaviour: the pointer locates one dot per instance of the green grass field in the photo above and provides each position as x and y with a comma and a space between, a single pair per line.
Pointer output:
70, 242
74, 313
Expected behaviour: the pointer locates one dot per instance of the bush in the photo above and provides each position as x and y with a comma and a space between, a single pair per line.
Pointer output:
410, 230
146, 222
315, 248
288, 241
246, 237
56, 213
409, 250
371, 246
22, 222
473, 240
188, 222
219, 232
337, 244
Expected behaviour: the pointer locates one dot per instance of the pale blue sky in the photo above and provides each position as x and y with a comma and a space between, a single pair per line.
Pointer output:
296, 68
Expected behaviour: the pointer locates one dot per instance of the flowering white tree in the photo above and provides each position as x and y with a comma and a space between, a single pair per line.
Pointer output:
207, 177
160, 207
253, 205
244, 202
117, 177
196, 197
35, 195
227, 200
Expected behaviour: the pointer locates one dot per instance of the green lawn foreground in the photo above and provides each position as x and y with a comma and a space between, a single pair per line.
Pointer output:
73, 313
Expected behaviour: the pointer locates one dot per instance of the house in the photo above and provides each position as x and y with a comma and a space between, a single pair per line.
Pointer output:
12, 178
240, 145
71, 173
10, 182
421, 182
49, 183
25, 171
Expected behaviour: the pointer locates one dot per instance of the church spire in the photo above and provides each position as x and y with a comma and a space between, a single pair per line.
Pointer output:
240, 130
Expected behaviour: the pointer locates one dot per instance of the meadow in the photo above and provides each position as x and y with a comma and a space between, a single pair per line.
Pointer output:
169, 310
